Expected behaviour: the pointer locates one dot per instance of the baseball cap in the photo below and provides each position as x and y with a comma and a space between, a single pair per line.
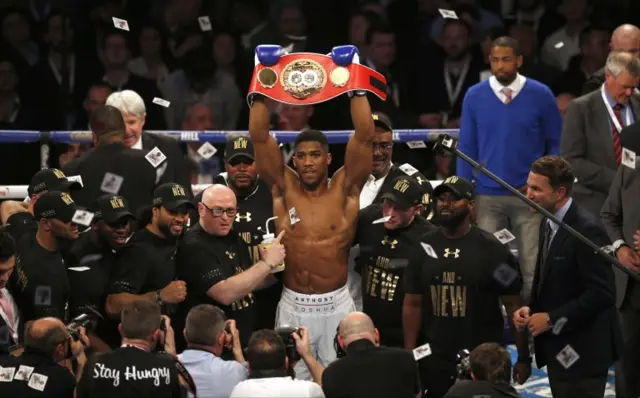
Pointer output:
382, 120
171, 196
238, 145
458, 185
55, 205
51, 180
405, 192
111, 208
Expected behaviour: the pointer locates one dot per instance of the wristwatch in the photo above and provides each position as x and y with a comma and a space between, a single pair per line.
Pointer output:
617, 245
158, 298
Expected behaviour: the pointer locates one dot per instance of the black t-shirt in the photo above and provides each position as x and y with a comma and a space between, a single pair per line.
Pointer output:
203, 261
382, 263
34, 374
39, 282
145, 264
130, 372
21, 223
461, 290
89, 267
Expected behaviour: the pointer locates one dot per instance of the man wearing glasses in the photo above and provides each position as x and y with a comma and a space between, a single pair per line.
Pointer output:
146, 267
214, 262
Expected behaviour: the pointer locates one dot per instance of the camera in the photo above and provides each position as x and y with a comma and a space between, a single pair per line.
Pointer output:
289, 343
463, 365
81, 321
336, 345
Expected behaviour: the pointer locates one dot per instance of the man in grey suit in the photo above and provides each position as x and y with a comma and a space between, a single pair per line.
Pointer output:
592, 129
625, 38
621, 219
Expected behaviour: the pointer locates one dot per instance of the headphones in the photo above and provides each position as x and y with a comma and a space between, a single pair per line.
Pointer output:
336, 345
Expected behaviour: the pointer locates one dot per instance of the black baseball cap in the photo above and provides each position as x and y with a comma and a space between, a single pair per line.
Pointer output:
111, 208
55, 205
51, 180
171, 196
458, 185
405, 192
239, 145
382, 120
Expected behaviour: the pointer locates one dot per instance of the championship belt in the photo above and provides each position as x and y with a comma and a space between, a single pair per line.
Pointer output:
308, 78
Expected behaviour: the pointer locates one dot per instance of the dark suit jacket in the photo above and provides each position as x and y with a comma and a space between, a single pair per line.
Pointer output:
588, 145
138, 176
6, 340
369, 371
593, 82
425, 184
176, 168
578, 285
623, 199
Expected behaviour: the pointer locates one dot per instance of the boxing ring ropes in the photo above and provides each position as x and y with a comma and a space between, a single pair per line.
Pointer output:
45, 138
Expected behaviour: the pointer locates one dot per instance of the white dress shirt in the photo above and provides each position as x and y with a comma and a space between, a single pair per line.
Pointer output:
515, 86
214, 377
280, 387
371, 189
138, 144
16, 318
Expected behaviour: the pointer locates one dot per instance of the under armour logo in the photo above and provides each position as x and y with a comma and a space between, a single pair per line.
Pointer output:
386, 240
447, 253
420, 180
230, 255
246, 217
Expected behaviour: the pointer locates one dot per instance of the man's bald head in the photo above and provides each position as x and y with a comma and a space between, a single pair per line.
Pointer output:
46, 334
217, 193
356, 326
215, 199
626, 38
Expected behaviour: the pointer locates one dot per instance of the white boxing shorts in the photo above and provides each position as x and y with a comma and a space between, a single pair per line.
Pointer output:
321, 314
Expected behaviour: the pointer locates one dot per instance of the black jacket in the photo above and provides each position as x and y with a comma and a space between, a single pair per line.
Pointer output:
370, 371
594, 82
176, 168
481, 388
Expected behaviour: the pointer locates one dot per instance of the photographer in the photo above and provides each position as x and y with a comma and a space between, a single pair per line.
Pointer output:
490, 373
368, 370
37, 372
270, 367
135, 369
206, 335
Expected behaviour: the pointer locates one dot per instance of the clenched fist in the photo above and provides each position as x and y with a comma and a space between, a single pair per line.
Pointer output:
174, 293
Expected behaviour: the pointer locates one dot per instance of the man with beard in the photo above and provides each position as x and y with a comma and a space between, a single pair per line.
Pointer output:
90, 262
383, 258
145, 266
255, 207
39, 283
460, 275
508, 121
215, 263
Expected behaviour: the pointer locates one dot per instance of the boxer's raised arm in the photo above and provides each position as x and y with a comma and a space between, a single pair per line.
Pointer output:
358, 159
269, 160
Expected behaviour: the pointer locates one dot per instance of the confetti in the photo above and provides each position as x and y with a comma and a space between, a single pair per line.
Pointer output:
559, 45
567, 357
381, 220
120, 23
416, 144
155, 157
504, 236
38, 381
79, 269
408, 169
83, 217
429, 250
629, 158
161, 102
448, 14
111, 183
557, 327
505, 275
207, 150
205, 23
77, 179
293, 216
24, 373
422, 351
89, 258
6, 374
43, 296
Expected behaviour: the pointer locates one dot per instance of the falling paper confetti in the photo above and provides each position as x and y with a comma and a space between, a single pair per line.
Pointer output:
504, 236
416, 144
567, 357
429, 250
381, 220
422, 351
207, 150
83, 217
448, 14
205, 23
111, 183
155, 157
629, 158
120, 23
505, 275
557, 327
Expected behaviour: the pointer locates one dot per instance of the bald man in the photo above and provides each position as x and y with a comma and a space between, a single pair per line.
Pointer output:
625, 38
215, 263
47, 342
368, 370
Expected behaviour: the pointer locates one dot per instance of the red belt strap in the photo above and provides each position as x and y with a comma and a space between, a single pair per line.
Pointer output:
308, 78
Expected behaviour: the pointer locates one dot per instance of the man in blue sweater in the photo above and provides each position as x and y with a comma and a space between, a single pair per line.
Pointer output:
508, 122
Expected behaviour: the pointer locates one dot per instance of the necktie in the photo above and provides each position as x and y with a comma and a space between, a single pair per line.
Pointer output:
507, 92
544, 249
617, 146
8, 310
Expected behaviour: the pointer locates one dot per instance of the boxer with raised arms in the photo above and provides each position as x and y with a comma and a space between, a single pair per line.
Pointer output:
319, 215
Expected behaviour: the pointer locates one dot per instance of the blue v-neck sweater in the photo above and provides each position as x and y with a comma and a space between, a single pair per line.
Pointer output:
507, 138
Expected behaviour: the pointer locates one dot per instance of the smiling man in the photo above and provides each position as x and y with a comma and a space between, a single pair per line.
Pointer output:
146, 267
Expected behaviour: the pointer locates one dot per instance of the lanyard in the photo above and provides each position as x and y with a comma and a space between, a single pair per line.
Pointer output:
612, 115
453, 95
